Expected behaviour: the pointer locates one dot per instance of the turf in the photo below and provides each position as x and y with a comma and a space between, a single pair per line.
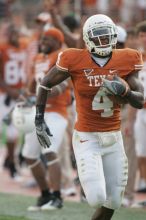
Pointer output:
14, 207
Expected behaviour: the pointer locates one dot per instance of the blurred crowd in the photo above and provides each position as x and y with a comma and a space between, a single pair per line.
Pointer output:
24, 29
23, 12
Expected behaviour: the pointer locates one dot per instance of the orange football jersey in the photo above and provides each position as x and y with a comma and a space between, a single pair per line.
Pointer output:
42, 64
96, 112
13, 64
32, 51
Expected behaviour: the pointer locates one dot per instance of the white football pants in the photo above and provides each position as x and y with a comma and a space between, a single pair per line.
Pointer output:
11, 132
57, 125
102, 167
140, 133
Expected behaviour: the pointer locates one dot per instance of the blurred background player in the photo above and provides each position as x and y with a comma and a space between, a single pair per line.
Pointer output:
41, 22
140, 125
56, 115
69, 22
13, 75
69, 25
131, 40
121, 37
128, 120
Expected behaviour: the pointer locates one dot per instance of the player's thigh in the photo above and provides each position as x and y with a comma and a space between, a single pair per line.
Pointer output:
57, 125
115, 167
11, 133
90, 169
31, 148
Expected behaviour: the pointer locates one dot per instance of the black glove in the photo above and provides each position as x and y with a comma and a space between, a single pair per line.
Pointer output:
7, 119
31, 100
43, 132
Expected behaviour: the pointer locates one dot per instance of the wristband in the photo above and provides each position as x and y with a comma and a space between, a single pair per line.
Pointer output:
45, 88
40, 111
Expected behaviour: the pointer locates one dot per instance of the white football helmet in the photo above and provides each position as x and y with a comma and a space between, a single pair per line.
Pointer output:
122, 34
23, 117
100, 34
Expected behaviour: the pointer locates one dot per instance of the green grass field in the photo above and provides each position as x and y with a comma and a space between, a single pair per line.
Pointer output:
14, 207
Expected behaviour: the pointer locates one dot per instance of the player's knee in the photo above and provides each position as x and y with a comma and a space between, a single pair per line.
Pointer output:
52, 158
32, 163
115, 202
96, 198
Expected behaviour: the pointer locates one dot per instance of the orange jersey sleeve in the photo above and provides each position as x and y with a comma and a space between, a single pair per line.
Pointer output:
128, 60
62, 61
96, 112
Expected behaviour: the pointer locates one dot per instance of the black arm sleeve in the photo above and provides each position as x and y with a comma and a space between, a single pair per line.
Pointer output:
135, 99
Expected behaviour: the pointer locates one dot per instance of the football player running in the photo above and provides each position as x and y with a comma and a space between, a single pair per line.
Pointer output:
99, 75
140, 116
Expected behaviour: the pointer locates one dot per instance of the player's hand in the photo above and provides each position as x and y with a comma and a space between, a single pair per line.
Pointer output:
51, 4
26, 96
43, 133
7, 119
116, 86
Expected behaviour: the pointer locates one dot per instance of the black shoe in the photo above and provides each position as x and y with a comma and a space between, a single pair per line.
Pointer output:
143, 190
6, 163
10, 166
141, 204
42, 200
53, 204
12, 170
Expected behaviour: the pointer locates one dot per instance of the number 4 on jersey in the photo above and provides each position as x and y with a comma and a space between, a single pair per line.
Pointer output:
102, 102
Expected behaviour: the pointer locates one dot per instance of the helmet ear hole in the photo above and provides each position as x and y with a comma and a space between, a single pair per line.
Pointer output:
23, 117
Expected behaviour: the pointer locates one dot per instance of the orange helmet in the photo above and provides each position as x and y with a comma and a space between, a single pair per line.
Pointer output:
56, 33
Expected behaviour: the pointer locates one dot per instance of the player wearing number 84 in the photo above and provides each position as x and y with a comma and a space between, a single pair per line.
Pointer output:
13, 78
96, 73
